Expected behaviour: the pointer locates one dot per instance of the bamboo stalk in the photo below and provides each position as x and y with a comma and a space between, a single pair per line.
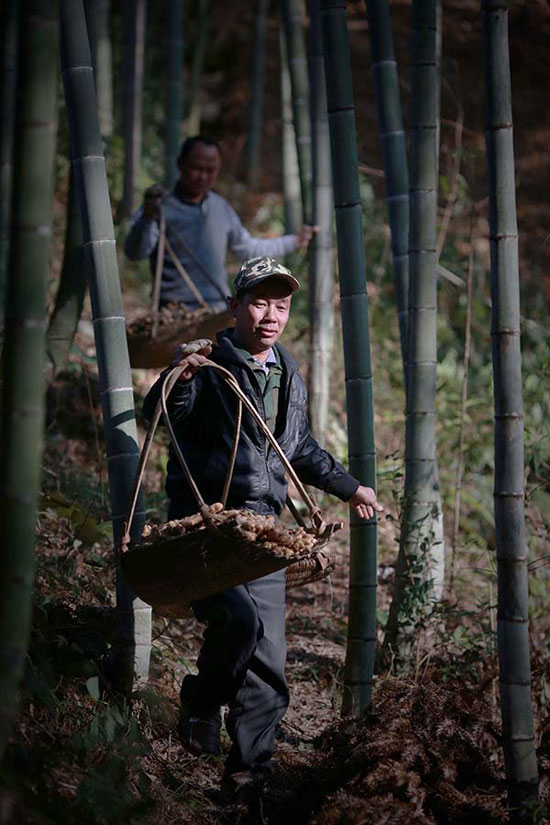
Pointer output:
174, 106
24, 342
361, 642
420, 552
291, 18
134, 27
131, 645
394, 153
257, 94
509, 494
290, 173
8, 85
71, 290
194, 119
321, 273
97, 21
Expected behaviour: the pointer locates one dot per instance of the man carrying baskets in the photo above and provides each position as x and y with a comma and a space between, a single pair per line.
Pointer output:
200, 228
242, 660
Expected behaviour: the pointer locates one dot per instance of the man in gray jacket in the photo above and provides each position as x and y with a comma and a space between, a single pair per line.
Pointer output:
200, 227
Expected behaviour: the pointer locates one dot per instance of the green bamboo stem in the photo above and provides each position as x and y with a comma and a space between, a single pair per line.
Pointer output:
174, 107
291, 18
361, 643
8, 85
257, 94
134, 46
194, 119
290, 173
394, 153
23, 353
71, 290
321, 272
131, 645
97, 21
511, 543
419, 569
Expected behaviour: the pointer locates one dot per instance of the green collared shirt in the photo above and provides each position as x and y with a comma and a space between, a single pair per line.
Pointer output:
268, 374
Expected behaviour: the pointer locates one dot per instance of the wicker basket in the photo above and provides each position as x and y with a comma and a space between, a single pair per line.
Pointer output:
193, 558
147, 352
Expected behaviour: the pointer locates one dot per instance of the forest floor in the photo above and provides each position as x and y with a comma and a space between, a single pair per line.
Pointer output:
427, 751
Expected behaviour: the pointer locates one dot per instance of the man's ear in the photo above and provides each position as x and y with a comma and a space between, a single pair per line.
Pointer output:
233, 303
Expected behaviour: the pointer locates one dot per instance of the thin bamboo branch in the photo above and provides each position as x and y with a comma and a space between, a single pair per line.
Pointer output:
290, 172
454, 182
463, 403
134, 25
291, 18
321, 275
197, 67
257, 94
175, 91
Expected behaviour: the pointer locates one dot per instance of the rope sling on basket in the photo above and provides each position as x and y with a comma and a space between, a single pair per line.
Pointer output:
215, 549
152, 338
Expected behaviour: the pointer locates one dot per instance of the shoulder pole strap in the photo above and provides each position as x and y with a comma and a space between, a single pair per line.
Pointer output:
158, 273
180, 242
185, 275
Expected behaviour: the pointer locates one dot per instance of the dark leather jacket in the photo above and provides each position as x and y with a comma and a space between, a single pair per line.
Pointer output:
203, 416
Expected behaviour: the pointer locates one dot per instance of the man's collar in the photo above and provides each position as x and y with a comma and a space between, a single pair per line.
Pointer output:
180, 194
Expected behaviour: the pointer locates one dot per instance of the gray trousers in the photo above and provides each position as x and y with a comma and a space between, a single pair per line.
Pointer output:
242, 664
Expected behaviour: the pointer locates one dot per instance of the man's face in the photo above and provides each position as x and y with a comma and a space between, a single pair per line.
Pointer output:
199, 171
261, 314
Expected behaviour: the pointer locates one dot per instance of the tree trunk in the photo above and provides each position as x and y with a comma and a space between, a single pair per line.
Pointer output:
321, 277
131, 645
174, 107
194, 119
24, 350
97, 20
361, 645
8, 81
419, 570
291, 17
71, 290
134, 46
291, 176
511, 543
394, 153
257, 95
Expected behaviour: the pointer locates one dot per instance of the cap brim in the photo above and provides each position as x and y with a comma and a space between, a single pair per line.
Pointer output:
293, 283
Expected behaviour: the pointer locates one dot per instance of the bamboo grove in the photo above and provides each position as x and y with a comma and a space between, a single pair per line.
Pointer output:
320, 184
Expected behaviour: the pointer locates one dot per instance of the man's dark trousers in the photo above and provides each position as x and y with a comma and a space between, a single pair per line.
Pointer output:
242, 664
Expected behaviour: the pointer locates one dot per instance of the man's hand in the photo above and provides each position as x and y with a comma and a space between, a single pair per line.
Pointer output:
364, 502
190, 358
151, 200
304, 236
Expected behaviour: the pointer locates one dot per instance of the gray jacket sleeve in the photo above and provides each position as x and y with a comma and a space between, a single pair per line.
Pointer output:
142, 238
244, 246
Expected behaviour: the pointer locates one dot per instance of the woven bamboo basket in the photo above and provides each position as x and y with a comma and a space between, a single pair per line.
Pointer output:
228, 548
182, 561
153, 337
175, 326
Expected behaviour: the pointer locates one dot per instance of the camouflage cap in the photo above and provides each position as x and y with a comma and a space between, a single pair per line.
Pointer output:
255, 270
